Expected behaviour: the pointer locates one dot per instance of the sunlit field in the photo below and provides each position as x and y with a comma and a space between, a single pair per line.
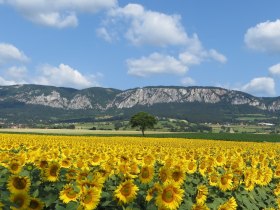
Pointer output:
79, 172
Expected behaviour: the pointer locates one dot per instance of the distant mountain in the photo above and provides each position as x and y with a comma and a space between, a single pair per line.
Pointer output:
37, 103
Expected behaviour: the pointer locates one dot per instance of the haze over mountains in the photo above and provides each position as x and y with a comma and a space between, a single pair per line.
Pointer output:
37, 103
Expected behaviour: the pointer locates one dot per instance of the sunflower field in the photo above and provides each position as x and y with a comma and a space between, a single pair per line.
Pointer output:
79, 172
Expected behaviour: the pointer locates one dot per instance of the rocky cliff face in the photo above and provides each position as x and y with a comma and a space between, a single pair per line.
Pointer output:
147, 96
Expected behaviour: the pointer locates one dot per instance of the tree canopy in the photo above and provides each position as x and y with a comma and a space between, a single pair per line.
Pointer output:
143, 120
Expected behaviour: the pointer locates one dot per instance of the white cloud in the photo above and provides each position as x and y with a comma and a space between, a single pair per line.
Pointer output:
195, 53
260, 86
103, 33
155, 64
275, 70
217, 56
149, 27
58, 13
9, 53
63, 76
18, 72
187, 81
55, 19
264, 37
6, 82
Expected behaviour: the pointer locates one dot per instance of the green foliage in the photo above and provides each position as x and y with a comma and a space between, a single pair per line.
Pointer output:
143, 120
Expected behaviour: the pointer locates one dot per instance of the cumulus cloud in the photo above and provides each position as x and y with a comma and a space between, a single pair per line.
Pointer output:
195, 53
275, 70
17, 72
9, 53
264, 37
147, 27
260, 86
103, 33
63, 76
187, 81
156, 63
58, 13
6, 82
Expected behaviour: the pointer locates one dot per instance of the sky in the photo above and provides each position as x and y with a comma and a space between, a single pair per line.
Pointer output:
127, 44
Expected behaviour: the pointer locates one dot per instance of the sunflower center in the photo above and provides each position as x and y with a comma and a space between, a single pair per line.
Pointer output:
14, 166
191, 166
224, 180
126, 190
43, 163
70, 193
277, 173
87, 198
176, 176
95, 158
168, 195
145, 173
219, 159
34, 204
214, 178
19, 183
53, 171
203, 165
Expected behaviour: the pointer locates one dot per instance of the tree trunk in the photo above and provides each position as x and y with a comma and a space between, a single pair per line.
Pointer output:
142, 132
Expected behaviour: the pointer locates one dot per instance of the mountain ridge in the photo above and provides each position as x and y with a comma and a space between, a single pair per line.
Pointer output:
103, 101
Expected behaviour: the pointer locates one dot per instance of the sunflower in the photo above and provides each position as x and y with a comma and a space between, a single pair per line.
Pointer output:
229, 205
249, 184
220, 160
149, 160
225, 182
164, 174
178, 175
14, 167
90, 198
278, 202
202, 192
152, 191
191, 167
126, 192
202, 167
18, 184
71, 174
277, 190
146, 174
213, 179
66, 163
20, 200
134, 169
170, 196
69, 193
200, 207
277, 172
52, 172
35, 204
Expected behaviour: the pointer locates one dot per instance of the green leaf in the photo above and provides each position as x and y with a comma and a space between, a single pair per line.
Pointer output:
72, 205
24, 173
106, 203
35, 194
58, 207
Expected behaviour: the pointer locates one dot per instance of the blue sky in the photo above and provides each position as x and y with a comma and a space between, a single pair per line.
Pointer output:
127, 44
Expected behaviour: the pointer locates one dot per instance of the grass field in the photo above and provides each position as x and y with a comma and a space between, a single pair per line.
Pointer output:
214, 136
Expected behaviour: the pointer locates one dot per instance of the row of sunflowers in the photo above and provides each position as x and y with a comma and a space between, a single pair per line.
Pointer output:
79, 172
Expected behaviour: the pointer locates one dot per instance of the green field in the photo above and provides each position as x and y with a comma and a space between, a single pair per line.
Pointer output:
213, 136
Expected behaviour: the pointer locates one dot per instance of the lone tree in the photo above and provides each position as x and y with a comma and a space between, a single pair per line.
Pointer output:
143, 120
